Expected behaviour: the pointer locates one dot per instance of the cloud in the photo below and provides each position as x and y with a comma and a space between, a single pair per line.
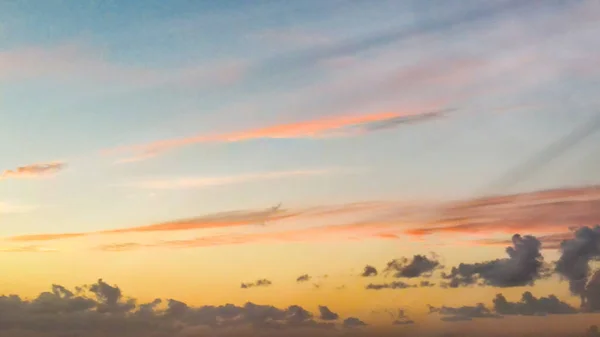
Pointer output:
303, 278
530, 305
326, 314
392, 285
369, 271
316, 128
464, 313
33, 171
201, 182
101, 309
258, 283
575, 258
523, 266
353, 322
400, 318
540, 212
420, 265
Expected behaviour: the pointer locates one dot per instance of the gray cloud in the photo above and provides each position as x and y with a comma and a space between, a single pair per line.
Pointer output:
258, 283
419, 265
391, 285
303, 278
530, 305
369, 271
523, 266
426, 284
353, 322
400, 318
576, 254
464, 313
100, 309
326, 314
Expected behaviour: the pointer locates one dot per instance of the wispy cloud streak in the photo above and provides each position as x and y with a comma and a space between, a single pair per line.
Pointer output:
316, 128
33, 171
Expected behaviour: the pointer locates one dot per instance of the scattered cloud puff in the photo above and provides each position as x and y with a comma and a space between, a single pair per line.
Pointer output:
326, 314
392, 285
33, 171
369, 271
303, 278
418, 266
258, 283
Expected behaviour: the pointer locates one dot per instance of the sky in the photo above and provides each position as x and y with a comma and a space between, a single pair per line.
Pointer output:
191, 168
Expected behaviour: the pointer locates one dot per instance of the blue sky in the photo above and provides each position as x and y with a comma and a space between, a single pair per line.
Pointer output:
88, 76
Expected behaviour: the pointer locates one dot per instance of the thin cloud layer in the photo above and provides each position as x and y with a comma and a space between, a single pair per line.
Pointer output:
315, 128
543, 212
33, 171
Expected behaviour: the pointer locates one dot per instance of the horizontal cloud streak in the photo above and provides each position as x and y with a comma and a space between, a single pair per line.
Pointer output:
322, 127
33, 171
543, 213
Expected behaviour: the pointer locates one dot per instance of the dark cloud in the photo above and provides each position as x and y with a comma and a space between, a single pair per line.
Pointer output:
353, 322
391, 285
258, 283
303, 278
419, 265
426, 284
369, 271
326, 314
100, 310
576, 254
400, 318
530, 305
523, 266
396, 121
464, 313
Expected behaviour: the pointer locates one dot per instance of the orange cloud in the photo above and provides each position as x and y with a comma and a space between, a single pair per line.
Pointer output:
306, 129
218, 220
358, 231
541, 212
33, 170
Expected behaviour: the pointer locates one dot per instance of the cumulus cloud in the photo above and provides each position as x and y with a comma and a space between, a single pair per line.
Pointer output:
464, 313
326, 314
33, 170
419, 265
369, 271
391, 285
523, 266
530, 305
258, 283
353, 322
100, 309
303, 278
575, 258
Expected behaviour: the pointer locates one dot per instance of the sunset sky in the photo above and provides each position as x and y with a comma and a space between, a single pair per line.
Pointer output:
149, 143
